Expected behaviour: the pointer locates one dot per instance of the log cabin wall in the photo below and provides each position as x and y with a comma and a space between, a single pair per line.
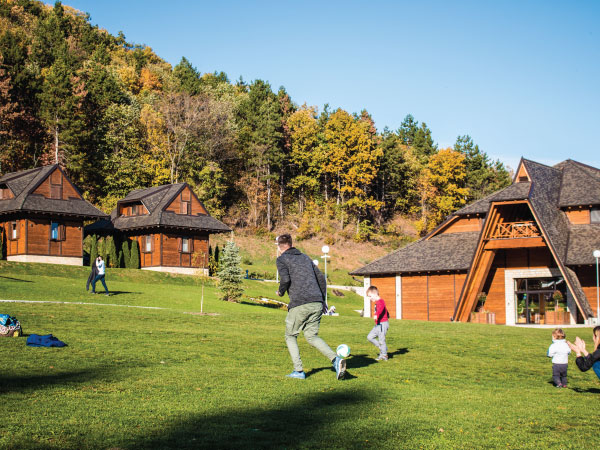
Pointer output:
431, 296
587, 279
15, 246
57, 186
387, 291
34, 238
166, 251
464, 224
132, 209
181, 202
578, 216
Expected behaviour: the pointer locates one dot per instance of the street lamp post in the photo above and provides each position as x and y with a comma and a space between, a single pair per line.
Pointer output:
597, 256
325, 250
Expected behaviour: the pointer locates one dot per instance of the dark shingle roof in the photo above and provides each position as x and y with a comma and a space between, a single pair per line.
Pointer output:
583, 240
516, 191
22, 184
580, 184
452, 251
156, 199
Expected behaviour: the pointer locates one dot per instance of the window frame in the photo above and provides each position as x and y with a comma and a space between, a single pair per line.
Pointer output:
148, 242
595, 211
60, 231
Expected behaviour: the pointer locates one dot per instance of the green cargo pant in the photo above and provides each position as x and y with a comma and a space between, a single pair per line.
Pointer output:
305, 318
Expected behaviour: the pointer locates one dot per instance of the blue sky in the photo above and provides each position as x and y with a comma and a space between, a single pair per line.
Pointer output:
520, 77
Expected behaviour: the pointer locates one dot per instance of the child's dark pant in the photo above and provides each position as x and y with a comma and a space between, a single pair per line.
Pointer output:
559, 374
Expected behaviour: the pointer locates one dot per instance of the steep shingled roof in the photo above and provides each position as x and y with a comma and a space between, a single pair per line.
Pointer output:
23, 184
156, 199
453, 251
580, 184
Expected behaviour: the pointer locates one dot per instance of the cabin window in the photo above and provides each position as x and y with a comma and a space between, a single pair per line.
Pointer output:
57, 231
186, 207
56, 189
4, 193
185, 245
14, 230
148, 244
595, 214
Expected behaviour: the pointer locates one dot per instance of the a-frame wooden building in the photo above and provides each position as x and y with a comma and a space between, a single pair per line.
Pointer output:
521, 248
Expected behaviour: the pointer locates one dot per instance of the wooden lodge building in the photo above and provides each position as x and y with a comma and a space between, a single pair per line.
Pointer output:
42, 215
169, 223
526, 249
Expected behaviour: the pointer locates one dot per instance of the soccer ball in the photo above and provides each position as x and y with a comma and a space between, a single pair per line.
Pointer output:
343, 351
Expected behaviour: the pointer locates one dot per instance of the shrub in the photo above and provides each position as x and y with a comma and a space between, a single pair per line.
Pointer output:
230, 273
93, 249
134, 262
111, 251
126, 253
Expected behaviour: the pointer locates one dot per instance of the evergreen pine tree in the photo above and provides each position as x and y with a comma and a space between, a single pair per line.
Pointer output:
230, 273
111, 251
126, 253
135, 255
93, 250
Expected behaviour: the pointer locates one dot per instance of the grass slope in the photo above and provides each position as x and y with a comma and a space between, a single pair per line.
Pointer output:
141, 378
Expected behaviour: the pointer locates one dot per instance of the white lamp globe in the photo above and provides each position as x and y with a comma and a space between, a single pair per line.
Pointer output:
596, 253
325, 249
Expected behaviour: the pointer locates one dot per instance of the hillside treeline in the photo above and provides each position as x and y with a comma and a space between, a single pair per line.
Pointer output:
117, 117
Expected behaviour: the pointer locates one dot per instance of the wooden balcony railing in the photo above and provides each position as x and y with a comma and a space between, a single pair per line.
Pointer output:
514, 230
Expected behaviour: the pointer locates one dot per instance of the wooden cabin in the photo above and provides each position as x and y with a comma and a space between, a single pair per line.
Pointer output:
41, 216
170, 224
523, 255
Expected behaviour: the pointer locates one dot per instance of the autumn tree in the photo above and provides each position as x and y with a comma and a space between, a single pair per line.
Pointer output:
442, 181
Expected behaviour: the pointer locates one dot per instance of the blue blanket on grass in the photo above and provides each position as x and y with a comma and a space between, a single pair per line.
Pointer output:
35, 340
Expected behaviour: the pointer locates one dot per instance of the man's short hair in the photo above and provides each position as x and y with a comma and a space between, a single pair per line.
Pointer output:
284, 239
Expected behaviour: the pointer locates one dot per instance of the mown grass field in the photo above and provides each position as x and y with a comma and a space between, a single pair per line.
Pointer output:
161, 378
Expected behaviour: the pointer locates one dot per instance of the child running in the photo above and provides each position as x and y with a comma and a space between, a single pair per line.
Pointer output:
377, 334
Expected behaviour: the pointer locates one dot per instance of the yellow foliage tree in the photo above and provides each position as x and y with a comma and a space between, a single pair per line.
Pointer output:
442, 186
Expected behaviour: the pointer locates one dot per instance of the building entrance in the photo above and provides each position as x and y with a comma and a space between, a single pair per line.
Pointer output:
536, 298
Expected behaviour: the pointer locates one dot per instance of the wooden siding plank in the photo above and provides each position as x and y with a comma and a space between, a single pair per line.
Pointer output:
387, 291
414, 297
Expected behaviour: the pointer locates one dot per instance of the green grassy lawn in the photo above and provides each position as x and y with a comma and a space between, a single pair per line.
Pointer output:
160, 378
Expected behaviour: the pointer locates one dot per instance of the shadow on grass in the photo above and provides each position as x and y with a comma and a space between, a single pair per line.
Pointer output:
36, 382
294, 423
586, 391
362, 360
16, 279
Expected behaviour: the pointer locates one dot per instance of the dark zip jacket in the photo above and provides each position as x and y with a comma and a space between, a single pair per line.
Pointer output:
587, 362
302, 280
93, 275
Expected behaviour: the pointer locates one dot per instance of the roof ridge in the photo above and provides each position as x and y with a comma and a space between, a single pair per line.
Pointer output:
540, 164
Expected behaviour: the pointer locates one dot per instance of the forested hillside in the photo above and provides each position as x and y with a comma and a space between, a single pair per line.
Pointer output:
118, 117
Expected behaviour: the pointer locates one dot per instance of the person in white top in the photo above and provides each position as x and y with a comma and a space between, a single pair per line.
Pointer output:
100, 276
559, 352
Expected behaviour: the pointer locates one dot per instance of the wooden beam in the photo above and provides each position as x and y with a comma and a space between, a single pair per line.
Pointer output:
476, 283
515, 243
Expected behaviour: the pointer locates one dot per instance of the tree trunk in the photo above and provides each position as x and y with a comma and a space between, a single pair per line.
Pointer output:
56, 142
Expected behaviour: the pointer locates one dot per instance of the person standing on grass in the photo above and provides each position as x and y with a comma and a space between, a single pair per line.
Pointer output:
559, 352
306, 287
382, 324
92, 276
100, 276
586, 361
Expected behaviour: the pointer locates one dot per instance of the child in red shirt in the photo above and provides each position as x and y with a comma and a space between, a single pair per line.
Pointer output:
377, 334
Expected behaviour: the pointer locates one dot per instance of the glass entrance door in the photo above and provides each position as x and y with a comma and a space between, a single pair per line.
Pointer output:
532, 295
